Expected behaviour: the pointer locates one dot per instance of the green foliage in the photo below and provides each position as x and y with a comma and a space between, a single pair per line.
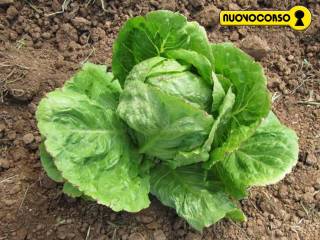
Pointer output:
184, 119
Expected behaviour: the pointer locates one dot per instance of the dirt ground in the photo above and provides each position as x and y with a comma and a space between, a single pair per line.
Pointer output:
41, 48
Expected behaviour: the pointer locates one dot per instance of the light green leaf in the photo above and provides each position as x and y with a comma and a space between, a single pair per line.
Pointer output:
237, 135
199, 201
92, 151
165, 124
198, 41
264, 158
71, 190
99, 85
48, 165
201, 154
200, 62
218, 95
152, 35
248, 82
173, 78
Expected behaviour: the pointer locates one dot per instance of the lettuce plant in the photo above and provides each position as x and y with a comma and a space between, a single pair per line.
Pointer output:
179, 117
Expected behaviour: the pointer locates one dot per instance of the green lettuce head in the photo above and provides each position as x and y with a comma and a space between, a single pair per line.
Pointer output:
184, 119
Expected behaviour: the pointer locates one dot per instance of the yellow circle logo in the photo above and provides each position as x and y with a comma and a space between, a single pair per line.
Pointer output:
300, 18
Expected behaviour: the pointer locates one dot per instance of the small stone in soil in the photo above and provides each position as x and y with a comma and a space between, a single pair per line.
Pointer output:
311, 159
192, 236
144, 218
301, 213
12, 12
234, 36
12, 135
233, 7
209, 17
136, 236
255, 46
9, 202
2, 127
159, 235
28, 138
4, 163
290, 57
197, 3
283, 191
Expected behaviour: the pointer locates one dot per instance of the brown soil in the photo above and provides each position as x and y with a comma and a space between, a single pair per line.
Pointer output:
39, 52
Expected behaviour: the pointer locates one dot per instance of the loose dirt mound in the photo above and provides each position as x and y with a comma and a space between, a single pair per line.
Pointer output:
41, 47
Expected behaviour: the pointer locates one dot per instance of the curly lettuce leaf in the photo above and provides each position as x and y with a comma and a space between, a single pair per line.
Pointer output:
90, 147
172, 78
201, 154
71, 190
248, 82
53, 173
218, 94
200, 62
198, 200
48, 165
98, 84
261, 159
165, 124
152, 35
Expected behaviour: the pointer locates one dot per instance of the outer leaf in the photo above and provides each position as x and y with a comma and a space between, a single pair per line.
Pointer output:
197, 200
237, 135
71, 190
92, 151
159, 31
48, 165
165, 124
248, 80
97, 84
262, 159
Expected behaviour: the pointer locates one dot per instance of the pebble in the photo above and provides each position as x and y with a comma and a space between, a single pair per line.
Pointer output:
12, 12
9, 202
4, 163
28, 138
293, 83
144, 218
234, 36
317, 196
311, 159
255, 46
197, 3
233, 7
136, 236
283, 191
153, 225
159, 235
192, 236
301, 213
12, 135
317, 185
178, 224
2, 127
81, 23
290, 57
278, 233
308, 197
209, 16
